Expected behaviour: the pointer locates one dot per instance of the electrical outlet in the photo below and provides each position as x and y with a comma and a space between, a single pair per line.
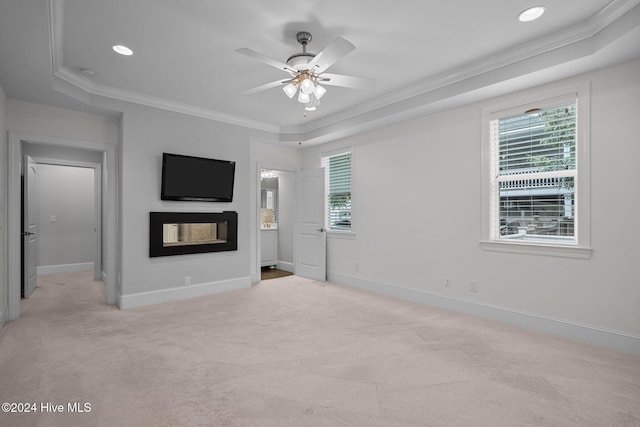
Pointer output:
473, 286
357, 266
447, 282
187, 280
52, 218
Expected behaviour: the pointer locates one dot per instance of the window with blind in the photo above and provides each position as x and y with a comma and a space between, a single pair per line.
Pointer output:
534, 172
338, 191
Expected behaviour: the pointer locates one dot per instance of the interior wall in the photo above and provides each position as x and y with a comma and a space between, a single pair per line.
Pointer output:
417, 216
146, 134
37, 119
286, 194
69, 154
284, 184
30, 118
52, 152
66, 216
3, 209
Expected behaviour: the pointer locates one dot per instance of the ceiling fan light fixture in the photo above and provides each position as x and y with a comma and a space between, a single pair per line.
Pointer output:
531, 14
313, 104
306, 70
290, 90
300, 61
307, 86
303, 98
319, 91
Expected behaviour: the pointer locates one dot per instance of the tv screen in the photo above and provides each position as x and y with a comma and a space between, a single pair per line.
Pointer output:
196, 178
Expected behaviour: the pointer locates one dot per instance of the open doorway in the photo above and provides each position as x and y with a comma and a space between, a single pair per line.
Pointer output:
276, 223
68, 207
104, 206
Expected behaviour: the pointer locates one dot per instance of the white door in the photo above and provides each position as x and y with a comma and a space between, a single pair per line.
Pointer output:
29, 228
311, 252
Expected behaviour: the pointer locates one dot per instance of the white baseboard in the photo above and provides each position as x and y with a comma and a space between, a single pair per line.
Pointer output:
573, 330
183, 292
285, 266
64, 268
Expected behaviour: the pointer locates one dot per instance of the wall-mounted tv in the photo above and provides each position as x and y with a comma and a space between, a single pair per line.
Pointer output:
197, 178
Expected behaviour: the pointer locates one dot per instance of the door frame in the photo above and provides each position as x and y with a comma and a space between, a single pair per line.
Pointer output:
29, 211
109, 209
259, 167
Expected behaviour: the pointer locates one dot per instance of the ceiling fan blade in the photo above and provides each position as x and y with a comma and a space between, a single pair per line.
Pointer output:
269, 61
266, 86
338, 48
346, 81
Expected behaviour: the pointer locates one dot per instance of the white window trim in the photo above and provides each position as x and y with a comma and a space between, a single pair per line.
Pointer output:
343, 234
583, 188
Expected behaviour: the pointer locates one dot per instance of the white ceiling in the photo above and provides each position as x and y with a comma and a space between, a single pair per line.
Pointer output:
422, 53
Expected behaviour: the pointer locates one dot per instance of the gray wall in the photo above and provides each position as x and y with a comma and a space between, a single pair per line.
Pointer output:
432, 228
142, 134
45, 151
76, 124
37, 119
146, 134
68, 194
3, 209
286, 194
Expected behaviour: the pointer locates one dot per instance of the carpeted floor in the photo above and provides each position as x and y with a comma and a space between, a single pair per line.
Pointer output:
294, 352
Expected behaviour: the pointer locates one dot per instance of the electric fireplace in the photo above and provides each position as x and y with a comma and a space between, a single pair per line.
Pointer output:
181, 233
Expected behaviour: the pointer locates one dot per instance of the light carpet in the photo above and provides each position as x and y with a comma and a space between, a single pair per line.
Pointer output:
295, 352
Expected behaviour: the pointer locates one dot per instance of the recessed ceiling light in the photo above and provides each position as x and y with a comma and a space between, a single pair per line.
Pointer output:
122, 50
531, 14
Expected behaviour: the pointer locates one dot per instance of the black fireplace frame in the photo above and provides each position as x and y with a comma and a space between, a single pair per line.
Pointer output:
158, 219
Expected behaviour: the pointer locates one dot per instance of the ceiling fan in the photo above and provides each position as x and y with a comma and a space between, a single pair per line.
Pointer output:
307, 71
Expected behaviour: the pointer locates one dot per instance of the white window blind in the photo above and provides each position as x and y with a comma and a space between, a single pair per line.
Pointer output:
338, 190
534, 174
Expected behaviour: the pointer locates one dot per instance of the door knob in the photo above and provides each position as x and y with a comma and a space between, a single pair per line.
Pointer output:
29, 233
321, 230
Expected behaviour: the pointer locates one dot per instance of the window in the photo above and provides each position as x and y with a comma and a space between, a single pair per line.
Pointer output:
533, 171
535, 176
338, 190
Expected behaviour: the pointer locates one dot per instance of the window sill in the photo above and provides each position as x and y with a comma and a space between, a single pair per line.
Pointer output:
346, 235
537, 249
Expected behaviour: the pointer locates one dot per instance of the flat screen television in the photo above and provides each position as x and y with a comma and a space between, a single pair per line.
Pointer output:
197, 178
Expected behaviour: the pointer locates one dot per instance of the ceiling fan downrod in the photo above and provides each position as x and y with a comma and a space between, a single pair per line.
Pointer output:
304, 37
300, 59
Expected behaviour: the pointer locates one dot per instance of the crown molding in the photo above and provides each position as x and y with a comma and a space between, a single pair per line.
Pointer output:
132, 97
60, 71
587, 30
399, 104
